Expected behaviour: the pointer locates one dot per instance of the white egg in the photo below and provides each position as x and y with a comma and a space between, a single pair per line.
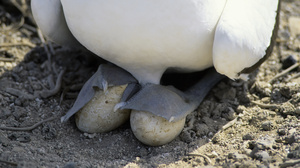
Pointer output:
98, 115
154, 130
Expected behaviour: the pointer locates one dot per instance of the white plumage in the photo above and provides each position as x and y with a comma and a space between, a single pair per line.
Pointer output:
243, 34
49, 16
147, 37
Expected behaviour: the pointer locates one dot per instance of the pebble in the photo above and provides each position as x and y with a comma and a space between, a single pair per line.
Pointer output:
281, 131
4, 113
289, 61
89, 136
292, 131
41, 151
248, 137
297, 111
202, 130
19, 112
143, 152
276, 94
8, 65
262, 156
290, 139
237, 157
3, 140
186, 136
241, 109
262, 144
263, 88
289, 89
294, 153
37, 86
70, 165
21, 137
18, 102
267, 125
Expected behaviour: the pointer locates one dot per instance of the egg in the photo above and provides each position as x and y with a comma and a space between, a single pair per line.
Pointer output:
98, 115
153, 130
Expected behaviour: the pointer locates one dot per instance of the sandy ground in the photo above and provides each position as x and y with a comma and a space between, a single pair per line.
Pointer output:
239, 124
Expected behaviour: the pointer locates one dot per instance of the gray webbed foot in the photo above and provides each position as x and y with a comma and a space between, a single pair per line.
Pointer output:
169, 102
163, 101
106, 76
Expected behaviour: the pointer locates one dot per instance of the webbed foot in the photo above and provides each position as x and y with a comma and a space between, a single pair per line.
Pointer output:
94, 106
169, 102
158, 112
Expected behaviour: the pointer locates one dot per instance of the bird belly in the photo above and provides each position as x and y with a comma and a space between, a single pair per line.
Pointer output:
147, 37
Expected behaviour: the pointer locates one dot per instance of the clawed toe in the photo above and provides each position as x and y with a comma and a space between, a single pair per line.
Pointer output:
97, 99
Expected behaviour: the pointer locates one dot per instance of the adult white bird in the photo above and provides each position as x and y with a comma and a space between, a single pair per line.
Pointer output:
146, 38
50, 19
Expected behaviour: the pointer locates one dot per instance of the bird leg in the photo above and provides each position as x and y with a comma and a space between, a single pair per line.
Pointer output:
106, 76
169, 102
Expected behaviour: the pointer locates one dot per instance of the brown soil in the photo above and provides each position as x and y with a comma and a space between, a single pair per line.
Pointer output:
239, 124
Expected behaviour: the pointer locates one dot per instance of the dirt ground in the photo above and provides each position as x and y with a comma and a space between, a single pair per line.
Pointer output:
239, 124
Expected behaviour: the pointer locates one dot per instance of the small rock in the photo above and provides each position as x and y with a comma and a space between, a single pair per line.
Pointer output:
264, 88
277, 158
297, 111
265, 144
237, 157
276, 94
262, 144
241, 109
292, 131
290, 139
294, 153
210, 135
143, 152
19, 112
281, 131
18, 102
186, 137
41, 151
253, 152
289, 61
3, 140
49, 132
267, 125
9, 65
89, 136
288, 90
21, 137
202, 130
70, 165
248, 137
230, 115
262, 156
4, 113
37, 86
